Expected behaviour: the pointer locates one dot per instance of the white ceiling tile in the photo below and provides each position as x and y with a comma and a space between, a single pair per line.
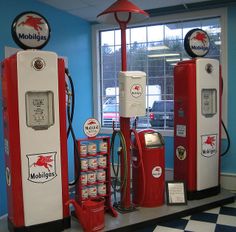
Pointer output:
89, 9
65, 5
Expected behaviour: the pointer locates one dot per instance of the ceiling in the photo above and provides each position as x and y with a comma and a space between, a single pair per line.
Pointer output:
89, 9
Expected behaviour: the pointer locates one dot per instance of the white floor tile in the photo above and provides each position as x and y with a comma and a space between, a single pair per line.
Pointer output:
226, 220
215, 210
233, 205
198, 226
166, 229
187, 217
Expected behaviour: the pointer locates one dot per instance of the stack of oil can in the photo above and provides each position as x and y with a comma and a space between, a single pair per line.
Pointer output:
93, 169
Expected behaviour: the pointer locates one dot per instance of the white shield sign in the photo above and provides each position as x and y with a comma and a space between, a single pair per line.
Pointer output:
42, 167
209, 145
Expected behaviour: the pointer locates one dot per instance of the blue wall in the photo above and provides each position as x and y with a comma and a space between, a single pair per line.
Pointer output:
70, 37
229, 161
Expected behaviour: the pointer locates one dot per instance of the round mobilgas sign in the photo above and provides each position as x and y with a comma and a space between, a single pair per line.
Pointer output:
30, 30
91, 127
197, 43
157, 171
136, 90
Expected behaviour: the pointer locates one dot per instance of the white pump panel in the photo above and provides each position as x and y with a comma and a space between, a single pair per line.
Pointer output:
39, 136
208, 114
132, 96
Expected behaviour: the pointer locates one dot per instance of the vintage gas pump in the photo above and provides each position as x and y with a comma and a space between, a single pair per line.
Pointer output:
33, 95
148, 169
197, 107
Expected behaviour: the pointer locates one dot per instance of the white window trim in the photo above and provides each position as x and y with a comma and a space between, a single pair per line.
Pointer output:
219, 12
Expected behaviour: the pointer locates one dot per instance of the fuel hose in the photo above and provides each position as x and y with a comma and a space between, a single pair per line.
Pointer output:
140, 162
70, 130
123, 183
222, 122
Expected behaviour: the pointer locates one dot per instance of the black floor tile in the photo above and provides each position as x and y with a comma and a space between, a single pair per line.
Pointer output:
205, 217
223, 228
177, 224
228, 211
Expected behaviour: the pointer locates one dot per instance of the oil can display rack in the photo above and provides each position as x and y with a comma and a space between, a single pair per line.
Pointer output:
79, 186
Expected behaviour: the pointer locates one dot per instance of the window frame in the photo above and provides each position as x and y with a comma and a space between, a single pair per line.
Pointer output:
171, 18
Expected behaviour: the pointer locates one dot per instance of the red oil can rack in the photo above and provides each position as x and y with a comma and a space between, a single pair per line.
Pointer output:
84, 185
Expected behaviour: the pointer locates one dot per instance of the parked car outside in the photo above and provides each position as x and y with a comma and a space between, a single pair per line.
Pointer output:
162, 114
111, 114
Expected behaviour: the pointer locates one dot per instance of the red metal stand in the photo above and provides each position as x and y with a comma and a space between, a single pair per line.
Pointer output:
124, 12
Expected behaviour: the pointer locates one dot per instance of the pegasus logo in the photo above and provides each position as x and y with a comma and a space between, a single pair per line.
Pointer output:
91, 123
34, 22
136, 90
137, 87
201, 37
44, 161
210, 141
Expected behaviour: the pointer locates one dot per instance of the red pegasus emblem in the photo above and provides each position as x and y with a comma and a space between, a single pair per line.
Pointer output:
200, 37
91, 123
210, 141
33, 22
137, 87
44, 161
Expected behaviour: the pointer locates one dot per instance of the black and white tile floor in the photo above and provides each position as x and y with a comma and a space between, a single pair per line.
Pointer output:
221, 219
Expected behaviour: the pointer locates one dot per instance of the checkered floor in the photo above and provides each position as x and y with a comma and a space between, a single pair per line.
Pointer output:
222, 219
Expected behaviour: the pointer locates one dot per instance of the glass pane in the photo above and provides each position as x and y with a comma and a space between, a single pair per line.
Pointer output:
138, 35
155, 33
169, 85
173, 31
107, 37
117, 37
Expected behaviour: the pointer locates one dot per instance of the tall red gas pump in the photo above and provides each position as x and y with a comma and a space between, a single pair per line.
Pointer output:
33, 94
197, 111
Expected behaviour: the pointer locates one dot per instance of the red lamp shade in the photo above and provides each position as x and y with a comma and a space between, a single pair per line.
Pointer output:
122, 11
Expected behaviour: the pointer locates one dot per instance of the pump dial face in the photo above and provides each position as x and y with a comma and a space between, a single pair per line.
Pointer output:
197, 43
38, 64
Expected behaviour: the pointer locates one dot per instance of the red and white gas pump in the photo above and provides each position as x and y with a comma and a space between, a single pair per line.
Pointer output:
197, 111
34, 114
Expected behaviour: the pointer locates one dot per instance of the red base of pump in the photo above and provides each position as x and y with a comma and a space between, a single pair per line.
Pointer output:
53, 226
196, 195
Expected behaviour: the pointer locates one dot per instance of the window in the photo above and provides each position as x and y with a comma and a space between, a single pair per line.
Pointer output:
154, 49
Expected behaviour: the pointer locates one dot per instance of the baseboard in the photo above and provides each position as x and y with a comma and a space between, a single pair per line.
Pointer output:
228, 181
3, 216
